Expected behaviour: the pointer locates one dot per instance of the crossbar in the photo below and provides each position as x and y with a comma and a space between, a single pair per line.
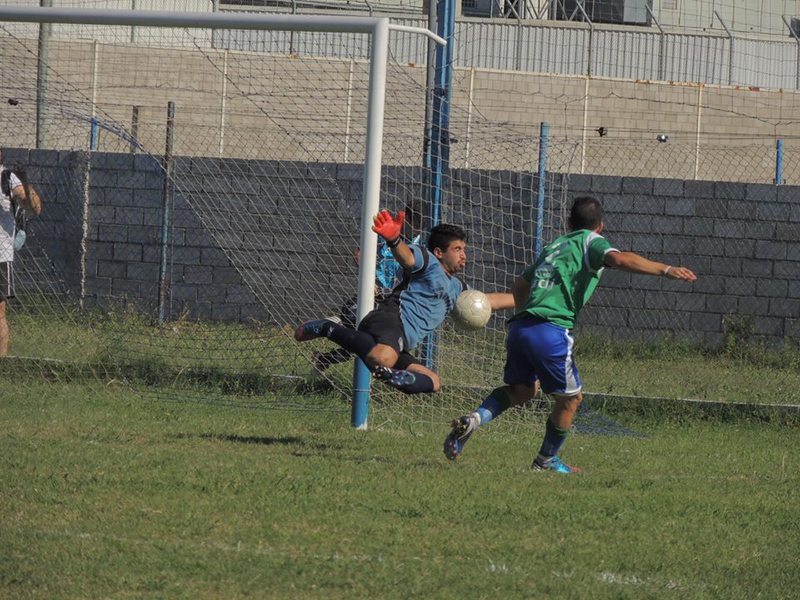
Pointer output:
155, 18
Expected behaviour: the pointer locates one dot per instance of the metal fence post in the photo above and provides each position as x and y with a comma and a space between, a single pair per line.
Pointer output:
438, 158
793, 33
134, 130
544, 132
166, 208
42, 60
730, 44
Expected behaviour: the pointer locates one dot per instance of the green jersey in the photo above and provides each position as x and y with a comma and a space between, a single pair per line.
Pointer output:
564, 277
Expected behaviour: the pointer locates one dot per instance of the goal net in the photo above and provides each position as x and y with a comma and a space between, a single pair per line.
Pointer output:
201, 201
178, 250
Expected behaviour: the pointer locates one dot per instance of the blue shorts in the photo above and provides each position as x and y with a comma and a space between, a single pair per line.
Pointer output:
538, 350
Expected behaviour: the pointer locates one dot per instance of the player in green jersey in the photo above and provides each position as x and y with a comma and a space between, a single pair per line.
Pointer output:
548, 297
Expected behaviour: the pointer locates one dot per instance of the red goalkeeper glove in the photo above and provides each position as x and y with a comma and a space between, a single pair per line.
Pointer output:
389, 227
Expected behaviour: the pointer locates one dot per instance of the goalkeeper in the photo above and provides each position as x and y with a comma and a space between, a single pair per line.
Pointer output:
548, 297
388, 273
415, 307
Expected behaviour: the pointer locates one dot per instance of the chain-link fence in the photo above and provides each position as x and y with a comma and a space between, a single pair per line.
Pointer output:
186, 276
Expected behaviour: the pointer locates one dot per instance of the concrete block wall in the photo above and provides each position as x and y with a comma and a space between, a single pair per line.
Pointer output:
742, 239
125, 250
491, 107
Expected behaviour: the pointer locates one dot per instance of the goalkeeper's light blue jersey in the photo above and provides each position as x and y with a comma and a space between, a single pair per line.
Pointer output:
388, 272
427, 294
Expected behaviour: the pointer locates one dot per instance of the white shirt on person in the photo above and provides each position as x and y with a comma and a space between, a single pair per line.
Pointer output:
7, 221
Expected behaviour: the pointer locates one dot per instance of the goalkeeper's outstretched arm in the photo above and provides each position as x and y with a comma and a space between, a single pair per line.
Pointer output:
390, 229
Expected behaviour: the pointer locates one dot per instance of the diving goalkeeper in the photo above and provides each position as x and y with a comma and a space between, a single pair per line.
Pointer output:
415, 307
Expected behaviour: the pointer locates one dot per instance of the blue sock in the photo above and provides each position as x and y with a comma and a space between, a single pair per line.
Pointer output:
554, 438
494, 405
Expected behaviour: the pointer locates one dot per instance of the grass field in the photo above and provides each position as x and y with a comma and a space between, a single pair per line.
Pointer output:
246, 359
106, 495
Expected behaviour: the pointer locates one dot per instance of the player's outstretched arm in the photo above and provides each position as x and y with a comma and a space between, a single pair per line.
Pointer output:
390, 229
634, 263
500, 300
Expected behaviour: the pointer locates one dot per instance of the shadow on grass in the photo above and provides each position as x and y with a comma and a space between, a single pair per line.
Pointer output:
594, 423
253, 439
314, 448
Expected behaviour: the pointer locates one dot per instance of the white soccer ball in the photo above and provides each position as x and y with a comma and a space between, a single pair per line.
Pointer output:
472, 310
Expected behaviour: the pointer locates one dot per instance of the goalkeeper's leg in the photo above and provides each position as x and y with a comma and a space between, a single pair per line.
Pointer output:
379, 341
357, 342
405, 374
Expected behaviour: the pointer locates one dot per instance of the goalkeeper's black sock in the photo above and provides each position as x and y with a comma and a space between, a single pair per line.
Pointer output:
420, 385
358, 342
406, 381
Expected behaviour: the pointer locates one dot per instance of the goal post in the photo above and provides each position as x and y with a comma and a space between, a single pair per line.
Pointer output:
378, 31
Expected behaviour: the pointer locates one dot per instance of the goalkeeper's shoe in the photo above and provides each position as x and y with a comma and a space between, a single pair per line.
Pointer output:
313, 329
463, 428
554, 464
394, 377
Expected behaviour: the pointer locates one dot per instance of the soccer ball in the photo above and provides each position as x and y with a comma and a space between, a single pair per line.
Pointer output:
472, 310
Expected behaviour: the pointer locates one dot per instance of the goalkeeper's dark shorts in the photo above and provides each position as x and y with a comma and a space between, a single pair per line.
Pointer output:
6, 280
386, 327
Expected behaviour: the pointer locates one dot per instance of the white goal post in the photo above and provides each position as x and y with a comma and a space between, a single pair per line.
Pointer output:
378, 31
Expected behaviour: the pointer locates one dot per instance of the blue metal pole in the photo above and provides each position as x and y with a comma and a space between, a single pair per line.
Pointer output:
359, 411
544, 131
438, 158
166, 208
779, 162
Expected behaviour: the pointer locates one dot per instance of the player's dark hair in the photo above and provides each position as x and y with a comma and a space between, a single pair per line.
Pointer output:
443, 235
586, 213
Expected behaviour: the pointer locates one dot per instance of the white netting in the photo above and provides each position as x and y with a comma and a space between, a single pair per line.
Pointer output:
264, 190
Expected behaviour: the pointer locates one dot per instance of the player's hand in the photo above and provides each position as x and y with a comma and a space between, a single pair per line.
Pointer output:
680, 273
387, 226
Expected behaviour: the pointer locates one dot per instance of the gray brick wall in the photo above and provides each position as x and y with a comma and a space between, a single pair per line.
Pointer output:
742, 239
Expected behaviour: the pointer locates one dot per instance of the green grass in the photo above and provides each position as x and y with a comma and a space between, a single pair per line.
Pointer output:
105, 495
700, 377
237, 361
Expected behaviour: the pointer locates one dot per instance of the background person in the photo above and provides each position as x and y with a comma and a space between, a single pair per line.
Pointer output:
17, 196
